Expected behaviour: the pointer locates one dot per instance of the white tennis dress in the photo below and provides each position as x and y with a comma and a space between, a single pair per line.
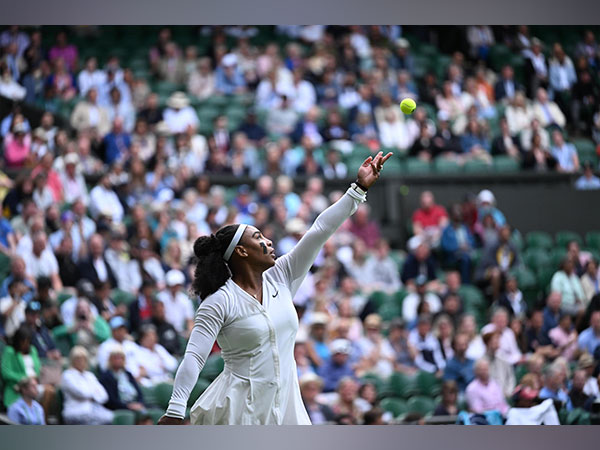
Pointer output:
259, 384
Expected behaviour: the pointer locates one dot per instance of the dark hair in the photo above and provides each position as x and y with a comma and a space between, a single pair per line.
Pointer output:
371, 416
21, 335
211, 269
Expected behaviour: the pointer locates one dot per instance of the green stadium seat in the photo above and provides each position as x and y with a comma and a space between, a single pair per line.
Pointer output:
393, 166
505, 164
517, 239
592, 239
149, 396
396, 406
539, 239
213, 367
475, 166
379, 298
442, 165
401, 385
428, 384
520, 372
124, 417
398, 297
199, 388
63, 296
564, 237
536, 257
389, 311
471, 296
586, 149
499, 56
558, 255
420, 404
544, 276
417, 166
162, 394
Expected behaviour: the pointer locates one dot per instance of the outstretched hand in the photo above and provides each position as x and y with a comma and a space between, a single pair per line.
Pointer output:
368, 173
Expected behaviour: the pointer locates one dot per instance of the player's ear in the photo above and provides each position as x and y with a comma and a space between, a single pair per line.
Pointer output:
241, 251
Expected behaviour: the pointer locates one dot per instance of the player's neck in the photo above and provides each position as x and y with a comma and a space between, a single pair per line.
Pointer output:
248, 279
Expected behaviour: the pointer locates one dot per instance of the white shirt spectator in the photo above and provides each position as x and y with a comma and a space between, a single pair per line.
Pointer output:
411, 303
384, 366
382, 274
179, 120
542, 414
105, 202
159, 365
591, 388
87, 80
476, 348
304, 96
509, 350
16, 318
132, 355
126, 271
45, 265
430, 346
178, 309
83, 398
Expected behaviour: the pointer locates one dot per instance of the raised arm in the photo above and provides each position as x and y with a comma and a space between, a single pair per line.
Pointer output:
209, 320
292, 268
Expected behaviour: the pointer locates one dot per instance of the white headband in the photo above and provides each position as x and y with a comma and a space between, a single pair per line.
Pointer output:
236, 238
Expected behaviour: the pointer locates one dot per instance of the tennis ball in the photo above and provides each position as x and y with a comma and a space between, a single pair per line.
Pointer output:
408, 105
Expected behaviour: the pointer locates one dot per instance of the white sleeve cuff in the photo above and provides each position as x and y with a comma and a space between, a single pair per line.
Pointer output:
356, 196
176, 410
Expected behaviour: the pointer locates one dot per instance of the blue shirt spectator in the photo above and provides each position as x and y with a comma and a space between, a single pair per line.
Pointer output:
587, 181
117, 143
23, 414
229, 79
565, 153
5, 231
589, 339
553, 388
337, 367
460, 370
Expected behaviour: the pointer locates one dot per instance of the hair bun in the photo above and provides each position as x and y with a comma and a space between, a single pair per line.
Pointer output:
205, 245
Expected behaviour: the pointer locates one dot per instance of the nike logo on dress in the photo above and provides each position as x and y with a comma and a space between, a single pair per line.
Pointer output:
276, 294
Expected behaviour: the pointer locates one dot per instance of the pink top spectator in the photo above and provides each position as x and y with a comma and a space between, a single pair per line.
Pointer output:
560, 338
68, 53
485, 397
15, 151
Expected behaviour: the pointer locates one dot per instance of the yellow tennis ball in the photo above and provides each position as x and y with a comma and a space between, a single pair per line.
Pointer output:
408, 105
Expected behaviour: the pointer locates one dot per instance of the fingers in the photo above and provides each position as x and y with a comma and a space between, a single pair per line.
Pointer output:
386, 157
367, 161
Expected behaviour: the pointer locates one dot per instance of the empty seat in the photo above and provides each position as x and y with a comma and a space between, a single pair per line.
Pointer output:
396, 406
564, 237
124, 417
539, 239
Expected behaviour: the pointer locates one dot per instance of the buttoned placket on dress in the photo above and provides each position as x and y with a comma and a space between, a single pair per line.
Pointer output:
273, 342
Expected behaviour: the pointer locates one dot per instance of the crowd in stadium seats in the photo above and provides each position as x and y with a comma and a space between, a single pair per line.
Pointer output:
112, 181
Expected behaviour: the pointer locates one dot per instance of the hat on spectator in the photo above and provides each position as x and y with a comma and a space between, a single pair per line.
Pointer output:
586, 360
310, 377
341, 346
40, 134
319, 318
244, 189
33, 307
163, 129
443, 116
71, 158
175, 278
486, 196
178, 100
402, 43
67, 216
117, 322
85, 288
229, 60
415, 242
295, 226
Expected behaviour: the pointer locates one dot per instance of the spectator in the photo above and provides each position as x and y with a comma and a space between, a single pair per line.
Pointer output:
512, 300
381, 270
89, 115
171, 66
553, 387
588, 181
12, 308
378, 355
179, 310
404, 352
429, 357
363, 228
412, 300
564, 337
590, 280
335, 369
96, 268
120, 108
449, 403
419, 261
501, 371
508, 348
179, 115
310, 388
536, 68
537, 335
457, 243
73, 180
40, 261
18, 272
26, 410
547, 111
131, 350
84, 291
152, 113
88, 329
17, 147
483, 393
83, 394
587, 364
63, 50
506, 88
155, 360
567, 283
506, 144
229, 79
40, 335
565, 153
90, 77
578, 397
201, 82
281, 120
589, 49
348, 401
480, 39
430, 219
459, 368
120, 385
104, 201
140, 310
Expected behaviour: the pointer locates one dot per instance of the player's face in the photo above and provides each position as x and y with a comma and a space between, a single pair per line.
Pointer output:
259, 249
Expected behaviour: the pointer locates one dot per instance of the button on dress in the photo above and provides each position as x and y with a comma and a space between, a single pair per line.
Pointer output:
259, 383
